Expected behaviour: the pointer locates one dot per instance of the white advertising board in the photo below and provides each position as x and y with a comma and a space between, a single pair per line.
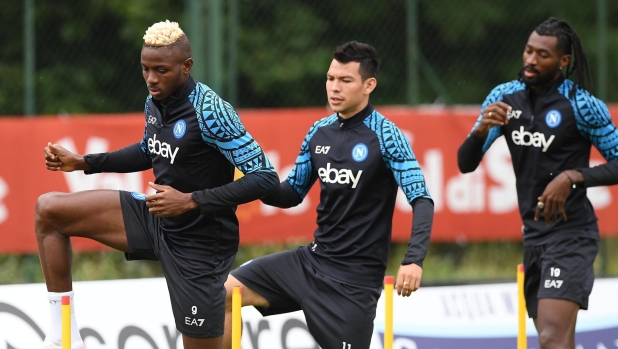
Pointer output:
132, 314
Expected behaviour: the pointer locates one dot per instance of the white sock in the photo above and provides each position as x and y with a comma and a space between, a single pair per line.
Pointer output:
55, 311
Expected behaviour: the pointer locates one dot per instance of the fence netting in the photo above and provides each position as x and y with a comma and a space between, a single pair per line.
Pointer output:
275, 53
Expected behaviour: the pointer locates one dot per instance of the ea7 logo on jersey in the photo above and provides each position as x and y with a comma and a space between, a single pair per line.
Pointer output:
152, 119
322, 149
161, 148
193, 322
332, 175
553, 283
513, 114
527, 139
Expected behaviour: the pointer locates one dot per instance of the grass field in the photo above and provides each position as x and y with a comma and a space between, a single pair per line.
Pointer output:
445, 263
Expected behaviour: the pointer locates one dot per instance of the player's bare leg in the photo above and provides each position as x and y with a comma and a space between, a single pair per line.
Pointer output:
90, 214
249, 297
59, 216
555, 323
202, 343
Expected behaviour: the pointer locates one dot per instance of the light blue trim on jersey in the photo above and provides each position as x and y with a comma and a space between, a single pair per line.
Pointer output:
138, 196
222, 129
143, 144
398, 157
302, 176
593, 120
496, 95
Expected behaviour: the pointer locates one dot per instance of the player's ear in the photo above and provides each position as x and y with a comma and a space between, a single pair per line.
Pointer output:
565, 60
187, 65
369, 85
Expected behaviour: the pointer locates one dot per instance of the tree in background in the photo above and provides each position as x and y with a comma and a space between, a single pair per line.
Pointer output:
87, 54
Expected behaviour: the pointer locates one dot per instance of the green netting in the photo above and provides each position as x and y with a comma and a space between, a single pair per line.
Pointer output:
275, 53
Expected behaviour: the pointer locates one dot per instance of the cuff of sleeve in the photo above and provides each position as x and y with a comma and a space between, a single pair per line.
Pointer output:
584, 172
478, 139
406, 262
200, 199
88, 160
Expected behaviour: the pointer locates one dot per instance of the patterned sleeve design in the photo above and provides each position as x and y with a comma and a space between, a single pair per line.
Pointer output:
222, 129
143, 144
497, 95
594, 121
399, 157
302, 176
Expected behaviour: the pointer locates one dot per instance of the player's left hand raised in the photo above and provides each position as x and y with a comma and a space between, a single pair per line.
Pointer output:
555, 195
169, 202
408, 279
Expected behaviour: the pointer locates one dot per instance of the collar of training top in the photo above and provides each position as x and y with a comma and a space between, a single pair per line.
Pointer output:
173, 101
357, 119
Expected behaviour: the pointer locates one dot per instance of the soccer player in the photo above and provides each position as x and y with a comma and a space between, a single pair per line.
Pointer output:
550, 123
360, 158
193, 140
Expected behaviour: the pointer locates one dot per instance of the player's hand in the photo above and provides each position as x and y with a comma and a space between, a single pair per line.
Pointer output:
169, 202
555, 195
408, 279
493, 115
57, 158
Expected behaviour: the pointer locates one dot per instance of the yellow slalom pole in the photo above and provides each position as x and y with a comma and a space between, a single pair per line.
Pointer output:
522, 339
389, 282
236, 317
66, 322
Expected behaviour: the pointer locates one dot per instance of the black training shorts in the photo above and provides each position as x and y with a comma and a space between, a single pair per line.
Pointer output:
338, 314
561, 269
196, 285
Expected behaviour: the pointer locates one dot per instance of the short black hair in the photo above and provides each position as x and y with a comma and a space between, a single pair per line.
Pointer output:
569, 44
365, 54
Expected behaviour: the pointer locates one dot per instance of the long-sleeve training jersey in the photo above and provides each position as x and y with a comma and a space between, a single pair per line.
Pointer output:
360, 161
193, 143
551, 136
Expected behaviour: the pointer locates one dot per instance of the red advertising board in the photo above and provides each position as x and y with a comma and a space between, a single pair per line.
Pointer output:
481, 206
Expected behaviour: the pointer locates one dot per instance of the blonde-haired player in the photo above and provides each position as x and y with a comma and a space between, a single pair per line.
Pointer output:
191, 141
163, 34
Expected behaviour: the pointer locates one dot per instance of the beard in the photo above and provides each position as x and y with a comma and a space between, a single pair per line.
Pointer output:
540, 79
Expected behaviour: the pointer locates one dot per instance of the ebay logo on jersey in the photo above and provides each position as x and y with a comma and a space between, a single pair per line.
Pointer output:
345, 176
161, 148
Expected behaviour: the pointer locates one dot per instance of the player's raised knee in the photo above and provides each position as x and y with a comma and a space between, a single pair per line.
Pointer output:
44, 211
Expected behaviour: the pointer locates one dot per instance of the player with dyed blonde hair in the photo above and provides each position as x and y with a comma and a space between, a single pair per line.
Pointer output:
192, 140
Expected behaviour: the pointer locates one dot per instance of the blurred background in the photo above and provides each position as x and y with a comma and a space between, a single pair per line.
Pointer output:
82, 57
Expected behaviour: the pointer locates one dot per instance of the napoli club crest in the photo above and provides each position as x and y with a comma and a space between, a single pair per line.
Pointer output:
553, 118
360, 152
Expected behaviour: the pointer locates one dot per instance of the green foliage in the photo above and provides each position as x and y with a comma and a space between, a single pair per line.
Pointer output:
445, 263
87, 52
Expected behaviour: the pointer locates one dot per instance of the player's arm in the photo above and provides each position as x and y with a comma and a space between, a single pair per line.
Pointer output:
132, 158
292, 191
285, 196
599, 128
244, 152
486, 130
406, 170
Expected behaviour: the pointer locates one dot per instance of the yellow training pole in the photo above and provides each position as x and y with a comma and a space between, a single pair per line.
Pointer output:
522, 340
66, 322
236, 317
389, 282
